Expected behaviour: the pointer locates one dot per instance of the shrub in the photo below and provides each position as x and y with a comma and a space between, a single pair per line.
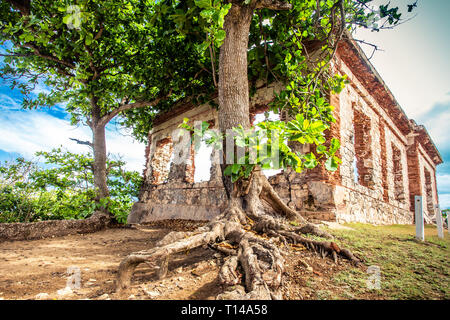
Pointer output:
62, 188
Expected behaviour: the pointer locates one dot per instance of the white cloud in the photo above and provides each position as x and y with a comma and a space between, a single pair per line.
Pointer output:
444, 201
26, 132
132, 152
7, 103
414, 63
443, 183
437, 126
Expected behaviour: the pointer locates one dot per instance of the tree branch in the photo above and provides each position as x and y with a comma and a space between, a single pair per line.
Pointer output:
263, 35
15, 55
124, 107
61, 66
374, 46
83, 142
52, 58
212, 64
273, 5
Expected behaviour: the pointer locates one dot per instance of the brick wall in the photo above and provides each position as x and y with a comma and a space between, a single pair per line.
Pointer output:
366, 135
363, 147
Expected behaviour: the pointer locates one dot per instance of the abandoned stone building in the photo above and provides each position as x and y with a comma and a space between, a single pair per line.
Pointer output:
387, 159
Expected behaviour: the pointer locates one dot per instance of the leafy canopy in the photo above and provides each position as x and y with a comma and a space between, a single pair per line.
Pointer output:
115, 52
294, 47
97, 53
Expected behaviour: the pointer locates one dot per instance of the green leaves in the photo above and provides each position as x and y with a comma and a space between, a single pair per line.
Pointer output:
331, 164
202, 47
205, 4
89, 38
238, 171
220, 36
213, 15
310, 161
26, 37
207, 14
334, 146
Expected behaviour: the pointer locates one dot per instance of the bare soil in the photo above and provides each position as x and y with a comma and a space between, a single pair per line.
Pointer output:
29, 268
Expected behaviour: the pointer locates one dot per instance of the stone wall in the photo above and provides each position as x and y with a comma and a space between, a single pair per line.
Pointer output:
367, 192
177, 196
397, 171
169, 190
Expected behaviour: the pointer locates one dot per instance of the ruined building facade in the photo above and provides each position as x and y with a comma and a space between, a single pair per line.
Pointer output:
387, 159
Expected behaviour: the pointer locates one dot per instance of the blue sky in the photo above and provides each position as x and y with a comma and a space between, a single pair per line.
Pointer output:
414, 63
23, 132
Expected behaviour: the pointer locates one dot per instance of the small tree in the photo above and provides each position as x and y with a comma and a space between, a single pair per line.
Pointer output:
445, 214
100, 58
16, 190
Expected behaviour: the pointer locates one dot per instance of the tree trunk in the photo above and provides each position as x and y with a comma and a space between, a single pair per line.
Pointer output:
233, 81
99, 148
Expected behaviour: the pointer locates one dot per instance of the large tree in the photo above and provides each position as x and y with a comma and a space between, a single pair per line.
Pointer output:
100, 59
288, 41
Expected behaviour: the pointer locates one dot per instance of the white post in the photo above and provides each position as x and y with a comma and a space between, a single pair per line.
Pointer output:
439, 223
420, 234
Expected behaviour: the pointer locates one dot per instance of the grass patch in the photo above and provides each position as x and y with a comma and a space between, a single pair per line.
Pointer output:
409, 269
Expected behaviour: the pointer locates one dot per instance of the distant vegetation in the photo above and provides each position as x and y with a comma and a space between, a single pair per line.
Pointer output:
59, 185
445, 213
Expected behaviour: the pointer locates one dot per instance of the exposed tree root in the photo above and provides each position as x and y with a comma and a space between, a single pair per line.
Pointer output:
249, 232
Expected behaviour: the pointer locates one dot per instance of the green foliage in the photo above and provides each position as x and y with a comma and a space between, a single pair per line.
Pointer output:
278, 51
95, 55
445, 213
62, 188
103, 53
267, 145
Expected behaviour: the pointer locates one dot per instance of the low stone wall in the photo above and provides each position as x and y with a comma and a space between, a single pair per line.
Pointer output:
179, 200
51, 228
320, 200
353, 206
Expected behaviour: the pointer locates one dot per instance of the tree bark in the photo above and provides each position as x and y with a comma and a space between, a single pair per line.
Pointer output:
99, 150
233, 81
99, 147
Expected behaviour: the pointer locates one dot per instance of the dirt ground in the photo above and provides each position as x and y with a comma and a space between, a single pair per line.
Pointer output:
38, 269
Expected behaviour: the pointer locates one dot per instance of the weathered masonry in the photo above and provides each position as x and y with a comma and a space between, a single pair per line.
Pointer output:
387, 160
